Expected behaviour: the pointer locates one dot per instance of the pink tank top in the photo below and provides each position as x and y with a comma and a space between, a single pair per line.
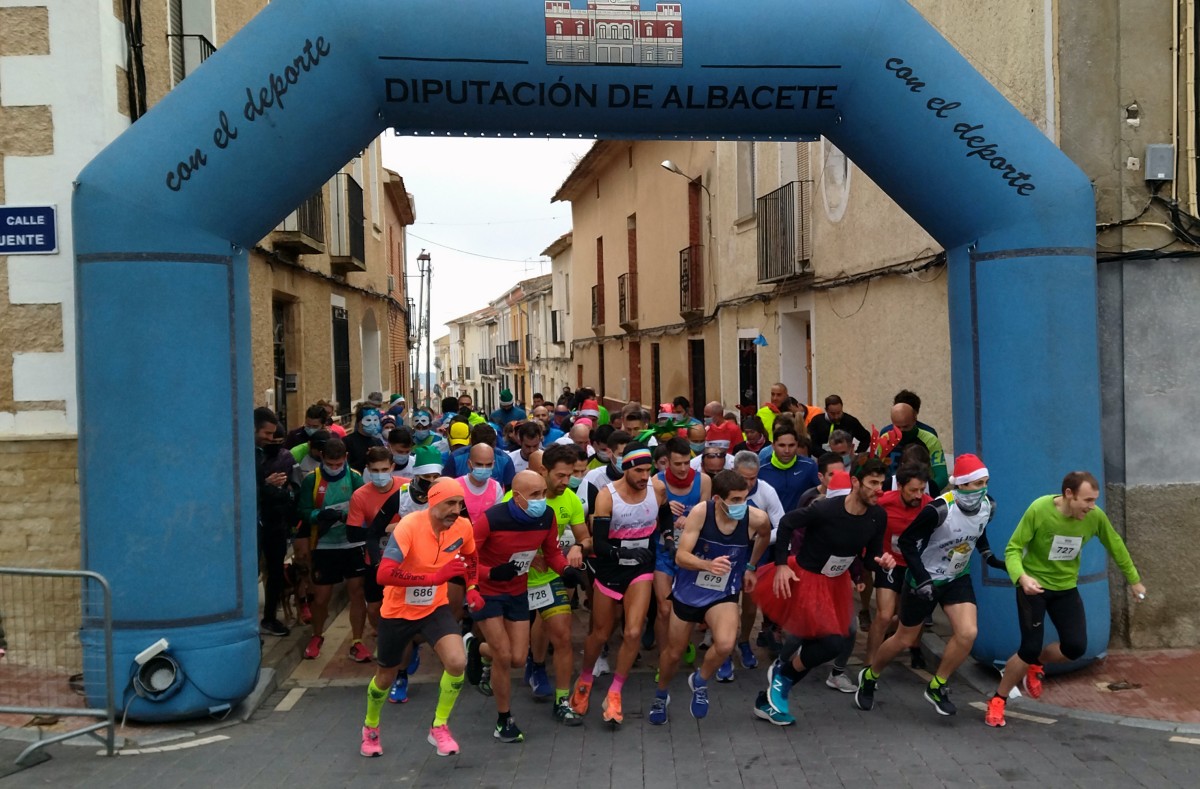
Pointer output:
478, 502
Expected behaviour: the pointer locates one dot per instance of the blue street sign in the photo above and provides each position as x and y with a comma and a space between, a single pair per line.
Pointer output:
28, 230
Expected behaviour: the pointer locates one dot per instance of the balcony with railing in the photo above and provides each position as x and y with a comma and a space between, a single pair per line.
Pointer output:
348, 241
691, 282
598, 309
784, 233
514, 353
627, 306
188, 51
302, 232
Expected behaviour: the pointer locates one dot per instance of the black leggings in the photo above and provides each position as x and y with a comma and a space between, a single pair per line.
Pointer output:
1066, 612
814, 651
272, 544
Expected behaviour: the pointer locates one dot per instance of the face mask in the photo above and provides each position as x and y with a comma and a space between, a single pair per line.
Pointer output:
604, 455
573, 482
536, 507
331, 473
697, 448
380, 479
708, 420
481, 474
970, 499
400, 459
308, 431
420, 435
737, 511
846, 460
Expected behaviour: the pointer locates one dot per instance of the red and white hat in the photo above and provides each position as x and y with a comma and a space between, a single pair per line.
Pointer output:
839, 485
968, 468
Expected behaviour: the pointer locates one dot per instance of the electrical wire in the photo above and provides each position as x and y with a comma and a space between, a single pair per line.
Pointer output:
531, 259
498, 222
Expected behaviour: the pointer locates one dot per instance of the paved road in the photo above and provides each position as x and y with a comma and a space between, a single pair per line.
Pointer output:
901, 743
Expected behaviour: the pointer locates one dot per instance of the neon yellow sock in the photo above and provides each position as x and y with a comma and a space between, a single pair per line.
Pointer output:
937, 682
449, 689
560, 694
375, 698
871, 675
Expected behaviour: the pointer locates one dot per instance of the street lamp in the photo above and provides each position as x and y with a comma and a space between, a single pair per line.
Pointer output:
425, 266
671, 167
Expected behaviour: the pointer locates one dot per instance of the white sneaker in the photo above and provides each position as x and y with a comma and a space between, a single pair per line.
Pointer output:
707, 642
841, 682
601, 668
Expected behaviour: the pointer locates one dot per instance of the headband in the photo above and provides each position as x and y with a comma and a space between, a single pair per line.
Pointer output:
641, 456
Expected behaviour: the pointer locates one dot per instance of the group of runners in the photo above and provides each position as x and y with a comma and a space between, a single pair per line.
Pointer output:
658, 527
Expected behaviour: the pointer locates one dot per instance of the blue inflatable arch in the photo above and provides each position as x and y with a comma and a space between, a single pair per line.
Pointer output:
163, 218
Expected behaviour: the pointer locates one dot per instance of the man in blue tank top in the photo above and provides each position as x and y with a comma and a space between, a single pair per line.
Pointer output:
715, 560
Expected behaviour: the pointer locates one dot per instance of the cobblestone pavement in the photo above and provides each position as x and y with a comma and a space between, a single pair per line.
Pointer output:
307, 735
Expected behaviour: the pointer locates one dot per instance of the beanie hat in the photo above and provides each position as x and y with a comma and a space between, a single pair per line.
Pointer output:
506, 397
460, 433
375, 399
444, 488
590, 408
426, 460
968, 468
839, 485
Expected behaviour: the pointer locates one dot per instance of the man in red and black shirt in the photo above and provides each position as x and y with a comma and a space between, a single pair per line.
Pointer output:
902, 506
507, 538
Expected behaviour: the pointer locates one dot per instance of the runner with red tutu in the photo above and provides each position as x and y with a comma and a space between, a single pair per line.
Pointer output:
811, 594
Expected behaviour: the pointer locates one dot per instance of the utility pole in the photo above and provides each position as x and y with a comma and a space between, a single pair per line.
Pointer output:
425, 265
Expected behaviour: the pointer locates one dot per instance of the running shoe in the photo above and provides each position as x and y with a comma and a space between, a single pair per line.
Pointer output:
440, 737
658, 710
725, 670
370, 742
864, 696
940, 699
747, 655
565, 715
474, 663
359, 653
707, 642
313, 650
778, 688
508, 732
540, 683
1032, 682
995, 712
398, 693
840, 682
305, 613
485, 681
601, 668
917, 658
581, 698
764, 710
415, 662
612, 709
689, 654
699, 688
273, 627
528, 668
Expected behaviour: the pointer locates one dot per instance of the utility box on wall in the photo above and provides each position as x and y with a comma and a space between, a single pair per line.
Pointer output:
1160, 162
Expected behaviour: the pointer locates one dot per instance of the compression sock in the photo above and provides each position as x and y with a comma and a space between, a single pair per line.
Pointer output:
792, 673
586, 677
617, 683
560, 694
375, 698
870, 674
447, 695
937, 683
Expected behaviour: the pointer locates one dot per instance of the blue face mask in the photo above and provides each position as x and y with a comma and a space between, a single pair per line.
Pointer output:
380, 479
308, 431
330, 473
573, 482
737, 511
481, 474
420, 435
536, 508
400, 459
697, 448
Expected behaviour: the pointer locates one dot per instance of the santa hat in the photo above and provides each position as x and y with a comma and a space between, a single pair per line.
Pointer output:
839, 485
666, 411
590, 408
968, 468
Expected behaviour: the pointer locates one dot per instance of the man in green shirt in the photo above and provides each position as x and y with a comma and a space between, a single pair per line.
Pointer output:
1043, 561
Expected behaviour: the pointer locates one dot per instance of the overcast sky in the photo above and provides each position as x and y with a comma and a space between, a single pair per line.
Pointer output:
477, 198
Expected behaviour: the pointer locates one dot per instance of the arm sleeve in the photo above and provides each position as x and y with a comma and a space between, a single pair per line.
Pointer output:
666, 522
796, 519
470, 557
480, 531
391, 571
1117, 550
927, 520
600, 544
389, 510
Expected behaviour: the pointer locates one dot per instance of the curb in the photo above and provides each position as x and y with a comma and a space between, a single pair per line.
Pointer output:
983, 679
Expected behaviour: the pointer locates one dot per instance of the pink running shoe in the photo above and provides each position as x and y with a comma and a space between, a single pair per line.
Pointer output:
359, 653
313, 650
370, 742
440, 737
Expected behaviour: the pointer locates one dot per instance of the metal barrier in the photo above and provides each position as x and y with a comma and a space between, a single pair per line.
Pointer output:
41, 677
